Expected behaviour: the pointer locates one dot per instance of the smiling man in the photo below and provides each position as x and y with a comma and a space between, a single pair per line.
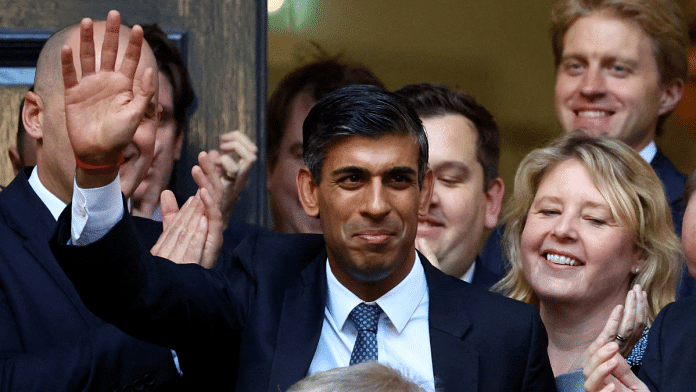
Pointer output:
621, 68
49, 340
467, 194
288, 306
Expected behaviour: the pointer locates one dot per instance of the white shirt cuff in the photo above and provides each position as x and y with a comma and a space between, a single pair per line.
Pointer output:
95, 211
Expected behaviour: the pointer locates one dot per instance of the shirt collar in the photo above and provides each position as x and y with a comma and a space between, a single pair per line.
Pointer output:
398, 304
54, 204
469, 274
648, 153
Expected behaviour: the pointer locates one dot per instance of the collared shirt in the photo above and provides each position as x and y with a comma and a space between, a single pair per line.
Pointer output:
648, 153
403, 337
53, 203
469, 274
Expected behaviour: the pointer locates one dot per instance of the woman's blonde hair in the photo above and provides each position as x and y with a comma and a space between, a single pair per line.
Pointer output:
635, 196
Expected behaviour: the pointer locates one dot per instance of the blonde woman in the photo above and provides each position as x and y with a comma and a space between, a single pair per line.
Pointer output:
588, 221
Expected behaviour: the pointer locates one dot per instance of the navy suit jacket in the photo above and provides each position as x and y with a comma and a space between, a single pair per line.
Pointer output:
668, 362
264, 309
484, 277
49, 341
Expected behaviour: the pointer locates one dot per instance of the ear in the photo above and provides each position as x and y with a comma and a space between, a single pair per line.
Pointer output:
426, 193
32, 115
671, 95
307, 191
178, 144
15, 160
494, 202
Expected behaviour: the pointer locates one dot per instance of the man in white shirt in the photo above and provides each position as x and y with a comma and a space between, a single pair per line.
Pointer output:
285, 306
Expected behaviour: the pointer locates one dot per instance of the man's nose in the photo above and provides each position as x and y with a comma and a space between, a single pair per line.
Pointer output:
593, 82
376, 204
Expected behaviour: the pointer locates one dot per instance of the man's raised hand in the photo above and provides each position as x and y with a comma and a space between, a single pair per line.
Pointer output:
104, 107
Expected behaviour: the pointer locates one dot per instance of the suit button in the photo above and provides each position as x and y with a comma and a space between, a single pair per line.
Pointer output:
148, 379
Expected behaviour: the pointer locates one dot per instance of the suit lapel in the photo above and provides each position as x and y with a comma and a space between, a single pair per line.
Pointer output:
300, 325
27, 216
455, 364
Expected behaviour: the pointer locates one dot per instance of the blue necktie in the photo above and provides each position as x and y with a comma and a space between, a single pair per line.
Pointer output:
365, 318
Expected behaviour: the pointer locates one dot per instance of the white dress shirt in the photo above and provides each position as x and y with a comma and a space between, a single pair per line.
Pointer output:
53, 203
469, 274
648, 152
403, 337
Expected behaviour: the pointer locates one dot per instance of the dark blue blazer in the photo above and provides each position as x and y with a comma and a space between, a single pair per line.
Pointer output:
49, 341
264, 308
484, 277
668, 362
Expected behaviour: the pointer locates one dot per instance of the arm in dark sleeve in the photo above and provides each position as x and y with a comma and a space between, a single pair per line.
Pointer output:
185, 307
538, 374
103, 359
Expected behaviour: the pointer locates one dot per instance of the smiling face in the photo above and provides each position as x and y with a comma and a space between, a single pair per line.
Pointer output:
573, 250
368, 201
458, 211
167, 147
608, 81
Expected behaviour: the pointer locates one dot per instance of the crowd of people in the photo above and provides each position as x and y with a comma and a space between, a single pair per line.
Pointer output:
371, 278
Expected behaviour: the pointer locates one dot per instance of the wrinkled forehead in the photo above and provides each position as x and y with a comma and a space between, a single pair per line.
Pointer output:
147, 58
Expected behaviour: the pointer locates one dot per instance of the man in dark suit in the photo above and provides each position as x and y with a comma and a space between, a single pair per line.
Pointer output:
463, 154
286, 306
624, 84
49, 340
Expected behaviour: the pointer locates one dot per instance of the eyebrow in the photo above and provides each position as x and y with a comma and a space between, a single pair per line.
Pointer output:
447, 165
349, 170
398, 170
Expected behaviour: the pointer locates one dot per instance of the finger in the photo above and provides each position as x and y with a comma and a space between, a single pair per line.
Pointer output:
69, 72
175, 231
229, 167
169, 207
189, 240
597, 354
133, 50
643, 308
142, 97
163, 247
214, 239
196, 241
611, 328
599, 365
87, 55
206, 161
110, 45
227, 139
596, 380
629, 317
239, 152
246, 141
